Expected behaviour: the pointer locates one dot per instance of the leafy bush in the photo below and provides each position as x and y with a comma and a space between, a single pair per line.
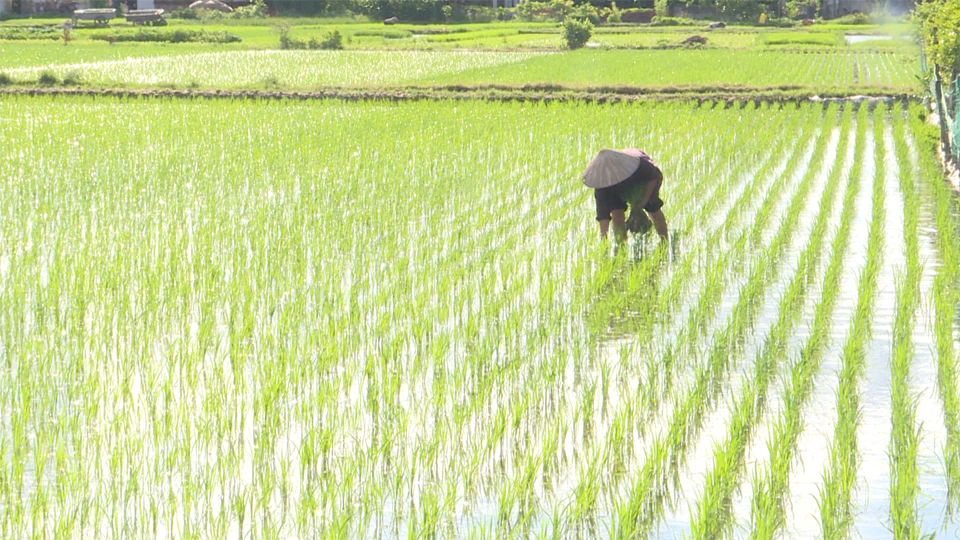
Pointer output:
854, 18
613, 14
72, 78
585, 11
673, 21
47, 78
184, 13
331, 41
576, 32
800, 9
637, 15
5, 79
255, 10
661, 7
938, 23
405, 10
555, 10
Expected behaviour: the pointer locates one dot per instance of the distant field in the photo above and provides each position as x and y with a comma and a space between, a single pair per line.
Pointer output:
816, 71
288, 69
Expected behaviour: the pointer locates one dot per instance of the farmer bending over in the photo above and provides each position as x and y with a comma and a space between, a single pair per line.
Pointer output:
621, 178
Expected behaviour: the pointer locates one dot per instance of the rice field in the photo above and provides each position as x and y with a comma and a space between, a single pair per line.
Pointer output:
334, 319
814, 71
291, 69
672, 67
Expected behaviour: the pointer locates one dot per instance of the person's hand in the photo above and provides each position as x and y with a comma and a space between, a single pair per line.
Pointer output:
638, 222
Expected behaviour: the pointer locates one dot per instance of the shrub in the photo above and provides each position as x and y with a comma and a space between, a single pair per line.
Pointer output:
47, 78
661, 8
405, 10
556, 10
585, 11
5, 79
854, 18
941, 42
800, 9
72, 78
184, 13
331, 41
576, 32
637, 15
613, 14
255, 10
673, 21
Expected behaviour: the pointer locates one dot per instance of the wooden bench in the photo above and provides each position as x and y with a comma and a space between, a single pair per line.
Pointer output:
151, 17
98, 16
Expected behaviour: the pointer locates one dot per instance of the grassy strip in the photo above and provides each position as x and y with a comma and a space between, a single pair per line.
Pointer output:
713, 514
651, 488
404, 94
946, 292
770, 484
905, 435
840, 478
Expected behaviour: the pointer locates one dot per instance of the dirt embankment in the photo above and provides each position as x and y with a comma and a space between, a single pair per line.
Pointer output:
531, 93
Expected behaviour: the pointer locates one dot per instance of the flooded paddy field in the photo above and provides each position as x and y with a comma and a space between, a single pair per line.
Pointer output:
248, 319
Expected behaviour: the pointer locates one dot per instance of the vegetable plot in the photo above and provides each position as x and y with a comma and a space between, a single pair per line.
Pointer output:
363, 319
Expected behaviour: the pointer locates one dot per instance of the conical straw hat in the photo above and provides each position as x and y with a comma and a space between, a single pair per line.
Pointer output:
610, 167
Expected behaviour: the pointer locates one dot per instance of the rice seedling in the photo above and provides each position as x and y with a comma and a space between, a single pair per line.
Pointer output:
841, 477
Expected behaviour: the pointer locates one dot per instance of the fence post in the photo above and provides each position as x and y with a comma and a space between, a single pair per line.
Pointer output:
941, 113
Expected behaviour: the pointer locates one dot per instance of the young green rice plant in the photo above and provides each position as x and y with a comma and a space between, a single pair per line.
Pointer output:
712, 515
905, 434
770, 483
841, 477
651, 490
945, 295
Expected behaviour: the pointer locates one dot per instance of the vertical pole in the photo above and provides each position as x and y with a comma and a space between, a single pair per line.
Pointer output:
941, 113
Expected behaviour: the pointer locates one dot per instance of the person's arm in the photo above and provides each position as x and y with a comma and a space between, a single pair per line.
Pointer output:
649, 190
619, 227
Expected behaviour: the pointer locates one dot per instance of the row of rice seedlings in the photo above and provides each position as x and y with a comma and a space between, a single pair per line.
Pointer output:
648, 494
526, 392
637, 411
946, 295
905, 434
712, 516
289, 69
840, 477
530, 389
265, 407
719, 269
770, 484
631, 280
639, 404
607, 462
